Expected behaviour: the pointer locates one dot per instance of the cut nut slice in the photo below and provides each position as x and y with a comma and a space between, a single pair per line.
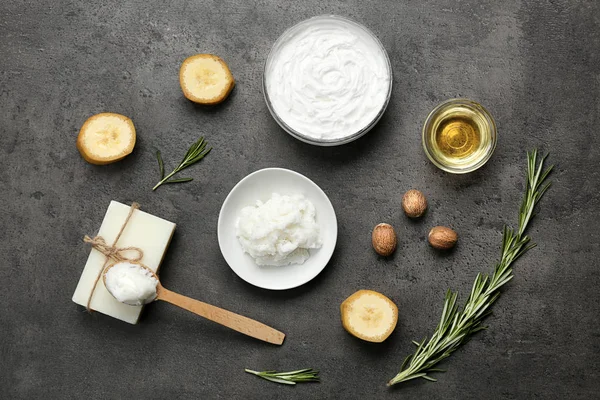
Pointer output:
105, 138
369, 316
205, 79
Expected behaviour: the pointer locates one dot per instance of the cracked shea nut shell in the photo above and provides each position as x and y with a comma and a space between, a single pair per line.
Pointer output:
414, 203
384, 239
442, 238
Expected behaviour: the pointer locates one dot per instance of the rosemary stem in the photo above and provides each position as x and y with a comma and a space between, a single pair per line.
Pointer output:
458, 324
166, 178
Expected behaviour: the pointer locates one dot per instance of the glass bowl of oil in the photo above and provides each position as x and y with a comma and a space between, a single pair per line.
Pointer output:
459, 136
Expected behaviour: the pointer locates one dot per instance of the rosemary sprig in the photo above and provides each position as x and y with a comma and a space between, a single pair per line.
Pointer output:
457, 325
195, 153
288, 378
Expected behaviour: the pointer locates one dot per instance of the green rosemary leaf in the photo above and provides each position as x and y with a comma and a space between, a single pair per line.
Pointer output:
298, 372
180, 180
161, 166
457, 325
250, 371
277, 380
408, 378
406, 360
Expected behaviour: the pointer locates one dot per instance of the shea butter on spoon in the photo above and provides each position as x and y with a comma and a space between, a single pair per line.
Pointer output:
136, 284
131, 283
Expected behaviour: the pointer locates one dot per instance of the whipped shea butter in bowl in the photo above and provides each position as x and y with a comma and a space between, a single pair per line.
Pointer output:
277, 229
280, 231
327, 80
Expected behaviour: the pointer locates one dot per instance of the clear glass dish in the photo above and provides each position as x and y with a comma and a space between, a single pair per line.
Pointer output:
478, 117
310, 139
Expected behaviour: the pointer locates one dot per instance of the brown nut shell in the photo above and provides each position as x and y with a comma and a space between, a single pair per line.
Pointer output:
384, 239
414, 203
442, 237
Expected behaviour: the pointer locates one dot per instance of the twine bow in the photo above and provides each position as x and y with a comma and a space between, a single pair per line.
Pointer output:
112, 252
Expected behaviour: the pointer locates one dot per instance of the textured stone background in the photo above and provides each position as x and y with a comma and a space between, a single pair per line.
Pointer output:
534, 64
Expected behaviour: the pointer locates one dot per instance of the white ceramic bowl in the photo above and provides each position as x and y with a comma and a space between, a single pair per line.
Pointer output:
260, 185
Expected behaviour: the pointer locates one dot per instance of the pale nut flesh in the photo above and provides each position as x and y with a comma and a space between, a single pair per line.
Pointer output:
442, 238
384, 239
106, 138
205, 79
369, 315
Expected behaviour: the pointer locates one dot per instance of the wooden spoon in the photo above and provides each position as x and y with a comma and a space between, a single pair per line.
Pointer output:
226, 318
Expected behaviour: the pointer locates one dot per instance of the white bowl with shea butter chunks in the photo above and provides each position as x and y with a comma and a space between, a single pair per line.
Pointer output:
260, 186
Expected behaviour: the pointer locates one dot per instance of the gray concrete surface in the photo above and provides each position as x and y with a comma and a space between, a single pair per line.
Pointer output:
534, 64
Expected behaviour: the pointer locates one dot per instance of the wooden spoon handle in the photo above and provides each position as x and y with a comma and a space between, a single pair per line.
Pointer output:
231, 320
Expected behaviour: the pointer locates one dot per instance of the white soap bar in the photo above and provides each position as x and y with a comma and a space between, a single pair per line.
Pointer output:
151, 234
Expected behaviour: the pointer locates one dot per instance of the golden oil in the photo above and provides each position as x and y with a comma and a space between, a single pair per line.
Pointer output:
459, 136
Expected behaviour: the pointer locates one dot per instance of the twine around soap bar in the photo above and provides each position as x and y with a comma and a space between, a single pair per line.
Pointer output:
112, 252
